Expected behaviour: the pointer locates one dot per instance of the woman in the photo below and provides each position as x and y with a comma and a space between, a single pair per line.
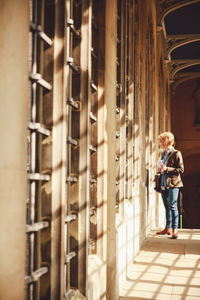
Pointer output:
170, 166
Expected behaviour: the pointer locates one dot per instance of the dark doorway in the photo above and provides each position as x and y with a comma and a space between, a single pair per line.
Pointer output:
187, 136
191, 192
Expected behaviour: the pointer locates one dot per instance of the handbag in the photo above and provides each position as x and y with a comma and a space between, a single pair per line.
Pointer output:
157, 181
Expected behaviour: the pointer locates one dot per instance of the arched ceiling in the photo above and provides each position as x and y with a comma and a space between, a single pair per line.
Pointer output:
180, 20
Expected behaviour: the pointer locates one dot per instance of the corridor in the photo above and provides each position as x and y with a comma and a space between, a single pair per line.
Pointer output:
165, 269
86, 88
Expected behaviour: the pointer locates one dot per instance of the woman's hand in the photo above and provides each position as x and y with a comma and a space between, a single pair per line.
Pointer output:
161, 166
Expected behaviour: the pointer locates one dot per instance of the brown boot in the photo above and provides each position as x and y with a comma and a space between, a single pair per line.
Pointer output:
167, 231
175, 234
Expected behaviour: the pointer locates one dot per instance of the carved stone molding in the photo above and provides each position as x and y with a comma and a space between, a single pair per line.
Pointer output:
181, 77
167, 6
180, 64
175, 41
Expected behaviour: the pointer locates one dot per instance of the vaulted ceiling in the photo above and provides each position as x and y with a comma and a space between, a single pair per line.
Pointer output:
180, 20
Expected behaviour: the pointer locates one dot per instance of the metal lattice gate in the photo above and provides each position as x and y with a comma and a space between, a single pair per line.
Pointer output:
80, 114
73, 107
125, 105
39, 132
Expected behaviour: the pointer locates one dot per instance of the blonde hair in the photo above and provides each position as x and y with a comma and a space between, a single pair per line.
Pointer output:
166, 138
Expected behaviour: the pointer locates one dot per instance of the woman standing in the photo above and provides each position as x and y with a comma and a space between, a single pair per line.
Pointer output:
170, 166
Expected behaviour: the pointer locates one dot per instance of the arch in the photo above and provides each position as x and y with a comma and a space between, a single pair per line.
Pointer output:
185, 77
181, 41
174, 5
183, 65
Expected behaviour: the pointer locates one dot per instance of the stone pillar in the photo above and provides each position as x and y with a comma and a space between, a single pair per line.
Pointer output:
58, 159
14, 16
110, 133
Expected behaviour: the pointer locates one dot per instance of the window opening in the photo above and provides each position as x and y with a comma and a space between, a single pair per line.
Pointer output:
73, 106
39, 131
124, 102
118, 92
93, 115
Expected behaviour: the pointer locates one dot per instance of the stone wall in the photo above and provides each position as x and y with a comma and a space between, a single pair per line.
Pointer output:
13, 126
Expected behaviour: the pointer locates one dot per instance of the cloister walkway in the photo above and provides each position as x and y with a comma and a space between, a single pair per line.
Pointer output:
165, 269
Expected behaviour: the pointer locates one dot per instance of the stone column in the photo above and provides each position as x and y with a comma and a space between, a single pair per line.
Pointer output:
14, 16
58, 158
110, 133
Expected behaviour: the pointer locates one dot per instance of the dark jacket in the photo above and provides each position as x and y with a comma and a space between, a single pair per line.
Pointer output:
174, 168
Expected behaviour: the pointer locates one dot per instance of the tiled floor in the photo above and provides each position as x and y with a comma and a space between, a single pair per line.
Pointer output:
165, 269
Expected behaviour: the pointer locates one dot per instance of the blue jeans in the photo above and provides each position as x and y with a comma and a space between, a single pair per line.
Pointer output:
170, 198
